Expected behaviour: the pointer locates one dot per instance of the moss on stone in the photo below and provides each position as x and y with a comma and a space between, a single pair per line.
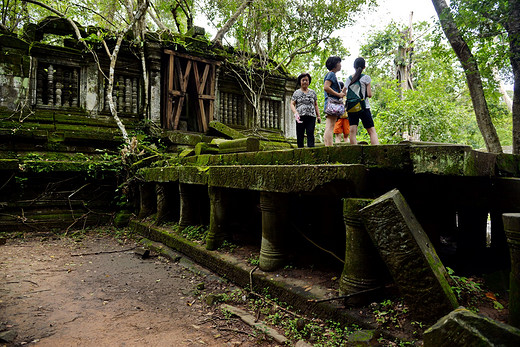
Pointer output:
346, 154
183, 138
285, 178
440, 160
160, 174
225, 130
193, 175
508, 165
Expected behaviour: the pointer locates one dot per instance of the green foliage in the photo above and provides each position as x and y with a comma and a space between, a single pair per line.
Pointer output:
195, 232
389, 314
439, 108
253, 260
470, 292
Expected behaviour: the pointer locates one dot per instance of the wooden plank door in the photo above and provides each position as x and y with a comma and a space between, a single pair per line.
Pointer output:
193, 76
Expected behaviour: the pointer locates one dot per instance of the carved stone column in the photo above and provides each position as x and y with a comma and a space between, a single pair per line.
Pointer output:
363, 268
274, 230
220, 214
153, 55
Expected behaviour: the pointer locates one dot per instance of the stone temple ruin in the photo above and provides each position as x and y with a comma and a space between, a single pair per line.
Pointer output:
401, 211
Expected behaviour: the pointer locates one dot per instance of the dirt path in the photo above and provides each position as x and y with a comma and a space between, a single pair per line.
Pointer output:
95, 291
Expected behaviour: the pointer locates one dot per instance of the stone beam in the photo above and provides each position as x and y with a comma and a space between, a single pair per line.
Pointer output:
288, 178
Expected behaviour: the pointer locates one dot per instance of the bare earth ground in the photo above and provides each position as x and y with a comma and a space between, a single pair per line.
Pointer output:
95, 291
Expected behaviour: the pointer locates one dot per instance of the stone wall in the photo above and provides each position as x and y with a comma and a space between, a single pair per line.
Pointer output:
62, 76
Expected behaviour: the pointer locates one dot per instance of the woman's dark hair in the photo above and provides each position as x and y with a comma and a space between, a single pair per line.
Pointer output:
332, 62
305, 74
359, 65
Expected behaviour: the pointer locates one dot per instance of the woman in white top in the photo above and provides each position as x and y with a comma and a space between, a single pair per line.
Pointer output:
365, 115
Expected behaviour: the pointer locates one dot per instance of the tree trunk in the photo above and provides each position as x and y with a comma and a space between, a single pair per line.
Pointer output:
230, 22
473, 77
514, 46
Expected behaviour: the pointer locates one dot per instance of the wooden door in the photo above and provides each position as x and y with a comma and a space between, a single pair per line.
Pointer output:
193, 77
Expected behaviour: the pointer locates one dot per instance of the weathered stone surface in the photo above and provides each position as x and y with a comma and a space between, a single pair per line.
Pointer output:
194, 174
389, 157
274, 145
205, 148
439, 159
363, 267
409, 255
247, 144
479, 163
508, 165
274, 208
462, 327
183, 138
160, 174
225, 130
288, 178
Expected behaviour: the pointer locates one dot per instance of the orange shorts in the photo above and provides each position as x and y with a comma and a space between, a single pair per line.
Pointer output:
342, 126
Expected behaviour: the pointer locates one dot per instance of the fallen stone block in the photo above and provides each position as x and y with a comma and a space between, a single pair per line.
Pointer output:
248, 144
205, 148
462, 327
409, 256
223, 129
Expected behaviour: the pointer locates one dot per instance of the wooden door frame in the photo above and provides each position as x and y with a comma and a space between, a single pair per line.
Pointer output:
177, 83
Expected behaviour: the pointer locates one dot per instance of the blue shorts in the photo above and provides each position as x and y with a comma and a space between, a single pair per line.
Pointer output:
365, 116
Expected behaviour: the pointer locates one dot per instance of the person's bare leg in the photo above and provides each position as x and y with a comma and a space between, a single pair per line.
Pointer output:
373, 136
329, 130
352, 135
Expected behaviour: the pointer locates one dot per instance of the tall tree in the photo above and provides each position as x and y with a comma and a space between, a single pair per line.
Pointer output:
270, 35
439, 107
513, 29
473, 77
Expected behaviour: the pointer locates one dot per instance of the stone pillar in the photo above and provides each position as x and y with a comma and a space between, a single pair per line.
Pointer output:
148, 201
153, 54
190, 205
363, 268
168, 204
220, 215
274, 229
512, 228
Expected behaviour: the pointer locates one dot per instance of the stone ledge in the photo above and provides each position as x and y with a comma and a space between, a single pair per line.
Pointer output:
229, 267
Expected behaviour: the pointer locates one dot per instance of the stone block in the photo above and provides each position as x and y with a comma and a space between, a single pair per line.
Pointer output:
409, 256
289, 178
462, 327
479, 163
388, 157
160, 174
507, 165
248, 144
439, 159
223, 129
193, 175
205, 148
346, 154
